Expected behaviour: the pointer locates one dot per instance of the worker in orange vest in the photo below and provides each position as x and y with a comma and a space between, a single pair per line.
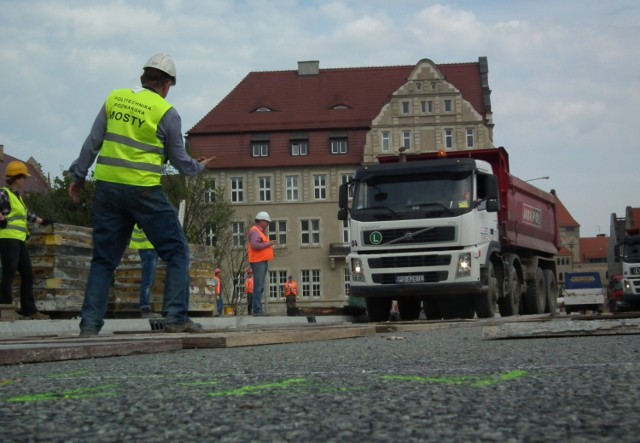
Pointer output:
217, 290
248, 289
291, 296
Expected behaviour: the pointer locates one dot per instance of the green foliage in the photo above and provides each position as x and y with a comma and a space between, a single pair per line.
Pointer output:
57, 204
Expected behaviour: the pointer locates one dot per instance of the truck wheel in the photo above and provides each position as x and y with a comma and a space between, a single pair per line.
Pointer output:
409, 308
535, 299
431, 308
510, 304
485, 303
378, 309
551, 290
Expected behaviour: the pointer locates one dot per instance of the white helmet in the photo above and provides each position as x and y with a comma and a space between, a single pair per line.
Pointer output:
162, 62
263, 216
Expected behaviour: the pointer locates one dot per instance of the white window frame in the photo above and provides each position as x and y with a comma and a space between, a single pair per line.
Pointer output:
320, 186
237, 189
385, 141
275, 286
238, 234
406, 139
278, 232
299, 148
292, 188
448, 138
260, 149
310, 232
210, 191
339, 146
347, 282
345, 178
470, 138
264, 189
311, 283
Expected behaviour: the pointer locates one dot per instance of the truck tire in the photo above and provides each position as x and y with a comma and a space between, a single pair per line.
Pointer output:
409, 308
431, 308
510, 304
551, 290
535, 299
485, 303
378, 309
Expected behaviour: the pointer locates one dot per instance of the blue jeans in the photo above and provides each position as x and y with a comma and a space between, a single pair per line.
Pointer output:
259, 276
148, 259
116, 208
220, 304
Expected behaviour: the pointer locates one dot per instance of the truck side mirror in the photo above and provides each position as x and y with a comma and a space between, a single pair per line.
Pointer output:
343, 214
343, 196
493, 205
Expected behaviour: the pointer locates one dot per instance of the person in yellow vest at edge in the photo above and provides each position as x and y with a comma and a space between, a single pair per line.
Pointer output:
149, 261
248, 289
260, 251
13, 241
217, 290
135, 132
291, 296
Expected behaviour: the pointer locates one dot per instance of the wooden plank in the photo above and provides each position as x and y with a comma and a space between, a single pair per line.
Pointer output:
382, 328
278, 336
562, 328
19, 353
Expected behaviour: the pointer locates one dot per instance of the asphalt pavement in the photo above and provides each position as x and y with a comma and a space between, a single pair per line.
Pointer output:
445, 385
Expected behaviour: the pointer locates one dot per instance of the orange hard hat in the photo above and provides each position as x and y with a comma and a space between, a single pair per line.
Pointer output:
15, 168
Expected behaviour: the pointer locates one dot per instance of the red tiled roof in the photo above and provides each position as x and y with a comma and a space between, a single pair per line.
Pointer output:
35, 183
306, 102
565, 219
593, 247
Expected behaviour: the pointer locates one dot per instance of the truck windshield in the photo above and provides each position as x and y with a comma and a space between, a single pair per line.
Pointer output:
631, 250
413, 196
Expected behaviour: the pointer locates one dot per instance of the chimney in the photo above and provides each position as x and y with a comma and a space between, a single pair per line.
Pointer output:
1, 153
311, 67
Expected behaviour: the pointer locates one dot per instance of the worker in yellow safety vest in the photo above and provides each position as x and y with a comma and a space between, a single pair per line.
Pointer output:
148, 260
13, 241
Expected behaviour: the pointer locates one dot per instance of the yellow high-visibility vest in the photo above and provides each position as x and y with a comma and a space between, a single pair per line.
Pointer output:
139, 239
16, 219
131, 152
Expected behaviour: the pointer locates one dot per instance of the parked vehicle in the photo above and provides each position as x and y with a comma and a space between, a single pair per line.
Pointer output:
455, 232
624, 257
583, 291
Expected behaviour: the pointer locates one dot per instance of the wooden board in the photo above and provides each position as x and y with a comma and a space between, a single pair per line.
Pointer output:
562, 328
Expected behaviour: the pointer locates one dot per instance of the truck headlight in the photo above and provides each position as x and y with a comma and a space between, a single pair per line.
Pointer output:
356, 266
464, 265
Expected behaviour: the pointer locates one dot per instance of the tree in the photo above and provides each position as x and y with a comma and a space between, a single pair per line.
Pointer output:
58, 206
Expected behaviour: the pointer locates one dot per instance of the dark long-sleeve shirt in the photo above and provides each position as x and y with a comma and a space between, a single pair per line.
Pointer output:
5, 207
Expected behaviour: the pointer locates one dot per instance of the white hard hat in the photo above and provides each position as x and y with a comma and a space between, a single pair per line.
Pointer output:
162, 62
263, 216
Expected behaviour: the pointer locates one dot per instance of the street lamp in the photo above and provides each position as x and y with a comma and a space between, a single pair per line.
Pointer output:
545, 177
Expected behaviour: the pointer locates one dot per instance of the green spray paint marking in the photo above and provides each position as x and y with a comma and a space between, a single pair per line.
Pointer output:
6, 382
249, 389
74, 394
473, 381
199, 383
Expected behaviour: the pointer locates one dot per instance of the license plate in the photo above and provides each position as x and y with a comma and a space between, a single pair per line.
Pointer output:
409, 278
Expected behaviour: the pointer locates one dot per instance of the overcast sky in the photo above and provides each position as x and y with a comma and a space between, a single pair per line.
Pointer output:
563, 73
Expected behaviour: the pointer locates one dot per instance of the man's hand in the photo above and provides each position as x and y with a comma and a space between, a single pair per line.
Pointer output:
74, 191
205, 161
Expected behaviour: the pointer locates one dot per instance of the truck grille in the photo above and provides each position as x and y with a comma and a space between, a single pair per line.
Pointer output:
429, 277
409, 261
409, 236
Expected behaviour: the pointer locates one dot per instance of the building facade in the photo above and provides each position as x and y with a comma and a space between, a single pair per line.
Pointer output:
285, 141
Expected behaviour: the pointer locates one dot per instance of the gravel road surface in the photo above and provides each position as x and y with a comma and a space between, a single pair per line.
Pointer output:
448, 385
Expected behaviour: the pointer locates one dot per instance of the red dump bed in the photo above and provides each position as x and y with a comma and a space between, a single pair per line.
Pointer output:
527, 216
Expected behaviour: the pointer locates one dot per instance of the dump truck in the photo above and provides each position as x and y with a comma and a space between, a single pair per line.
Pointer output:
583, 291
452, 233
623, 258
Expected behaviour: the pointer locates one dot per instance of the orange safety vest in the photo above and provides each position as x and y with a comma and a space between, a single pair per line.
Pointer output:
265, 254
248, 285
290, 289
217, 283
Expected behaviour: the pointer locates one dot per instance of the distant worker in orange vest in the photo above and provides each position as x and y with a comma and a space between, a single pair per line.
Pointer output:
260, 251
248, 289
291, 296
217, 290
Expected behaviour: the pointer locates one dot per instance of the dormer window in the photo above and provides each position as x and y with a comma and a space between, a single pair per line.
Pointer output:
340, 107
260, 145
263, 109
